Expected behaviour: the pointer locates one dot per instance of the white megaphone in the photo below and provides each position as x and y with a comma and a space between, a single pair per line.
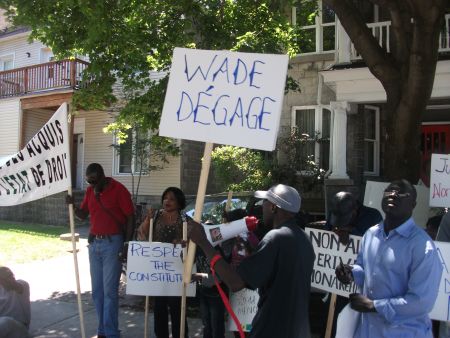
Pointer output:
219, 233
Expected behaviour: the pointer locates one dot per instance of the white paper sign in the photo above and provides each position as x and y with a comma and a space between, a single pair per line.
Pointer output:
329, 254
42, 167
245, 306
155, 269
440, 181
441, 310
374, 194
225, 97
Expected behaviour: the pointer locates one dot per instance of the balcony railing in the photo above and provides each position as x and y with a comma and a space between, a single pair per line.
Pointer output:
381, 31
42, 77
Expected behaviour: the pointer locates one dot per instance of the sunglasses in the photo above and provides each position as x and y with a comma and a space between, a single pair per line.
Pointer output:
92, 182
396, 193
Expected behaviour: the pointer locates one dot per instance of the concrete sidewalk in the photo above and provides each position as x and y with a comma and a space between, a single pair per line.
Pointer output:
54, 306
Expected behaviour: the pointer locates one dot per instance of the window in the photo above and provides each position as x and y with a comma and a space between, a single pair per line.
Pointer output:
6, 62
315, 121
371, 140
131, 156
317, 26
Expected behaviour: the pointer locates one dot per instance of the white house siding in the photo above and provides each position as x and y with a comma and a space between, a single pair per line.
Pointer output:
98, 149
9, 126
19, 46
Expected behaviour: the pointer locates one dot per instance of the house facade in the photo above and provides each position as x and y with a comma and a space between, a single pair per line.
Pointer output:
345, 105
341, 106
32, 87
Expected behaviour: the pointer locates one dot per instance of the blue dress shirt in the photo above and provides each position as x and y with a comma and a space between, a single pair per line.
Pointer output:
401, 273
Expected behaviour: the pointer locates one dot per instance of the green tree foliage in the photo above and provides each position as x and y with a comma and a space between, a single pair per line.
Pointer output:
125, 40
240, 169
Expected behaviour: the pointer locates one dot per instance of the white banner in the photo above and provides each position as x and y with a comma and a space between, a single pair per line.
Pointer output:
42, 167
245, 306
156, 269
225, 97
440, 181
330, 252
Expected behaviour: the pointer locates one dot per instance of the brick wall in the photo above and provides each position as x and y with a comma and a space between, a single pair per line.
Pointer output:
50, 210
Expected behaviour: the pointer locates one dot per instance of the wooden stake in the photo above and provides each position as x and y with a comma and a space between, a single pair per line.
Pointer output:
150, 238
189, 260
75, 261
229, 198
330, 316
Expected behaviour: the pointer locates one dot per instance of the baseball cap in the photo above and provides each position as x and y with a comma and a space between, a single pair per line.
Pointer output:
283, 196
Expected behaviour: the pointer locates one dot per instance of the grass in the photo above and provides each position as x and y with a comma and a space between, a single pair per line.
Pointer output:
21, 242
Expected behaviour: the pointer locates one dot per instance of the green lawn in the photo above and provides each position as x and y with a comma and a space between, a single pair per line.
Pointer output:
21, 242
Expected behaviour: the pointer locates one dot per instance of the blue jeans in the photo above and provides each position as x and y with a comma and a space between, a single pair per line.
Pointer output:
105, 269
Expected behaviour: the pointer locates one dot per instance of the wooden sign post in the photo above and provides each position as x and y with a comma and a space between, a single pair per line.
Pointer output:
150, 238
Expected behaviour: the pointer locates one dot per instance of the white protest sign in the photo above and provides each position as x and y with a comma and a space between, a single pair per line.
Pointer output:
245, 306
374, 194
155, 269
42, 167
440, 181
225, 97
329, 254
441, 309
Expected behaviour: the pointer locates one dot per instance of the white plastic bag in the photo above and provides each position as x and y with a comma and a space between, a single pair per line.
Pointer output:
347, 322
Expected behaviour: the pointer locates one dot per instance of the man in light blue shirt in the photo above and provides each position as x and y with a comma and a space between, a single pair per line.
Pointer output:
398, 269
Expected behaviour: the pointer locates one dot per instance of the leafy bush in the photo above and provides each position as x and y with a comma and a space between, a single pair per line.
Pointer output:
240, 169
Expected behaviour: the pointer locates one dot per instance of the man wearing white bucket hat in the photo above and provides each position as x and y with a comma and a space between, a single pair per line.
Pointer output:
280, 269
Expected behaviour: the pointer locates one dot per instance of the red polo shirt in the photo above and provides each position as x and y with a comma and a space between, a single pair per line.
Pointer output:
116, 199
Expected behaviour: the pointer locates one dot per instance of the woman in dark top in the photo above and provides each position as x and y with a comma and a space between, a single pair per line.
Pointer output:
167, 228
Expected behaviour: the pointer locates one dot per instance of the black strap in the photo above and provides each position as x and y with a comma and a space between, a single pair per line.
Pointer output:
97, 198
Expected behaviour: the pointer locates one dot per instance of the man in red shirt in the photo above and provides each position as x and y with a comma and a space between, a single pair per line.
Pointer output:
111, 211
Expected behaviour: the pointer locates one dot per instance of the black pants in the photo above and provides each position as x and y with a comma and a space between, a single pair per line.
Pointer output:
164, 305
213, 313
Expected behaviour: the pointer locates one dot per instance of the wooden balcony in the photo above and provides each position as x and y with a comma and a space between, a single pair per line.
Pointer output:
42, 77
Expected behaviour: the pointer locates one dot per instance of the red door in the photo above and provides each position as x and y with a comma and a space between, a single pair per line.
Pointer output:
434, 139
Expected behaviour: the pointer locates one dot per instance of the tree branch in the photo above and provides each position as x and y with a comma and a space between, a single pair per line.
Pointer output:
401, 30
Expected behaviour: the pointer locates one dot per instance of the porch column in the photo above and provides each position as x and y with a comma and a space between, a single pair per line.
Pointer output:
339, 140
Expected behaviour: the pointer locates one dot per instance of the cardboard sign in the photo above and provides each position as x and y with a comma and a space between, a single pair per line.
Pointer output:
440, 181
329, 254
441, 309
225, 97
374, 194
155, 269
42, 167
245, 306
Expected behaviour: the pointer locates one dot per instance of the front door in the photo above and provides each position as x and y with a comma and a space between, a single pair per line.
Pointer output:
435, 139
79, 161
78, 153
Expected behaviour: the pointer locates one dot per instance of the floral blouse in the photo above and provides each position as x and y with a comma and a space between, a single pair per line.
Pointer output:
167, 233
